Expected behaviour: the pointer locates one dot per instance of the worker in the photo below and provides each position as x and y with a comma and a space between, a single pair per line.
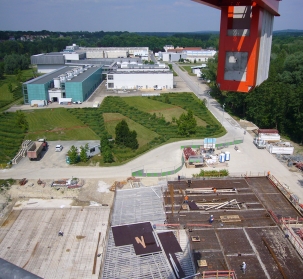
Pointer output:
243, 267
179, 178
186, 199
60, 233
215, 190
211, 219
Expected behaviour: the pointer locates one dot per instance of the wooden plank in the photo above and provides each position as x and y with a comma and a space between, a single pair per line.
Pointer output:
202, 263
230, 218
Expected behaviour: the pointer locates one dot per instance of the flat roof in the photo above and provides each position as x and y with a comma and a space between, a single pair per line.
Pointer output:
29, 239
143, 71
48, 77
84, 75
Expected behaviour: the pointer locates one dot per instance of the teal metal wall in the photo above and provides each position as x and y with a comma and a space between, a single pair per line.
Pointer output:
80, 91
37, 92
74, 90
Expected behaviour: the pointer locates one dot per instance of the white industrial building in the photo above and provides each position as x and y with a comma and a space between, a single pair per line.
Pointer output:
99, 56
171, 56
191, 54
115, 52
141, 77
199, 56
197, 70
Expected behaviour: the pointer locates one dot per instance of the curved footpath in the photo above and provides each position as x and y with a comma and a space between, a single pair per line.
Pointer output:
248, 159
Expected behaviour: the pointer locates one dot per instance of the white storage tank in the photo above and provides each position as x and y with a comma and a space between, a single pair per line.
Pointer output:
227, 156
222, 158
57, 83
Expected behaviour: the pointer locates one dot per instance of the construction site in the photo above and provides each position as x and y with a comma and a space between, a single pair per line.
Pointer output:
238, 220
156, 228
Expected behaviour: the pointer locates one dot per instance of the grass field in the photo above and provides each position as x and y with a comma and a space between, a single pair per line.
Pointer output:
144, 135
5, 95
57, 124
168, 111
188, 69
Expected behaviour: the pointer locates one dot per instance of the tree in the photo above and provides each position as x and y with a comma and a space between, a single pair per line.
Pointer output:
107, 155
106, 149
1, 70
126, 137
83, 153
10, 87
15, 62
122, 133
187, 124
73, 155
21, 120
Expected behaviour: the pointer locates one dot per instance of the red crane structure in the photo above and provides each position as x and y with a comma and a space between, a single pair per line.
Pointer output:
245, 42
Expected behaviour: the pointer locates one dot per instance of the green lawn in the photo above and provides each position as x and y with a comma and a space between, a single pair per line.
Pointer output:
188, 69
144, 135
57, 124
5, 95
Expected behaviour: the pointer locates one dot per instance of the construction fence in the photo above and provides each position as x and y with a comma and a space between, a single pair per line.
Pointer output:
142, 172
221, 143
158, 172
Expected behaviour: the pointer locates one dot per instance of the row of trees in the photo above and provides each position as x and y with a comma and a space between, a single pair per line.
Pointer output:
277, 102
75, 156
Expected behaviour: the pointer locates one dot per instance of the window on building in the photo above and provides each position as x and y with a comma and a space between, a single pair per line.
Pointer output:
110, 85
110, 77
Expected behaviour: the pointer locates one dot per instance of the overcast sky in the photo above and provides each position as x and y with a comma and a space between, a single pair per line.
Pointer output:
126, 15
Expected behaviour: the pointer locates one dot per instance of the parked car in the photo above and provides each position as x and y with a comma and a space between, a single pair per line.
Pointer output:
77, 102
59, 147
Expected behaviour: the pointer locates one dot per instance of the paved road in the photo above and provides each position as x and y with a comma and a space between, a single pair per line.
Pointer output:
248, 159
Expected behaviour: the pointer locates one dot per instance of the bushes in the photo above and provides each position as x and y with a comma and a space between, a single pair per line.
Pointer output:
11, 136
212, 173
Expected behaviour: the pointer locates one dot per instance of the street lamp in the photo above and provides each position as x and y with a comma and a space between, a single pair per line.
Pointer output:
223, 113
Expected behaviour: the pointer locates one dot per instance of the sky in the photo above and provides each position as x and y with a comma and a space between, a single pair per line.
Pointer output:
126, 15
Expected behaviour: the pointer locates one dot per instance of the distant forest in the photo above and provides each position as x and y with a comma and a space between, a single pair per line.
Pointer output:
276, 103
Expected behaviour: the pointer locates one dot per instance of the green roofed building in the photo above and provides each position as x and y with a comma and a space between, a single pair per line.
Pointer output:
67, 84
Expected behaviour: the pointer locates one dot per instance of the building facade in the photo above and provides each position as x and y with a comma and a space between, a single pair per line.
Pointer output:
66, 84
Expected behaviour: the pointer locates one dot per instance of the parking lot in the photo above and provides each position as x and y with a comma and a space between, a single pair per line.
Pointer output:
50, 158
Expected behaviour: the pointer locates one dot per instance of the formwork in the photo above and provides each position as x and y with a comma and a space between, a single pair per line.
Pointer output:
29, 239
247, 230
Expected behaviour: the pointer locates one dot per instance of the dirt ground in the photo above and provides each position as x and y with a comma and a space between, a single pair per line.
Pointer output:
93, 191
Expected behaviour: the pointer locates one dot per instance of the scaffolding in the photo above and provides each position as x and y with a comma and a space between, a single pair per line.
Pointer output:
134, 206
